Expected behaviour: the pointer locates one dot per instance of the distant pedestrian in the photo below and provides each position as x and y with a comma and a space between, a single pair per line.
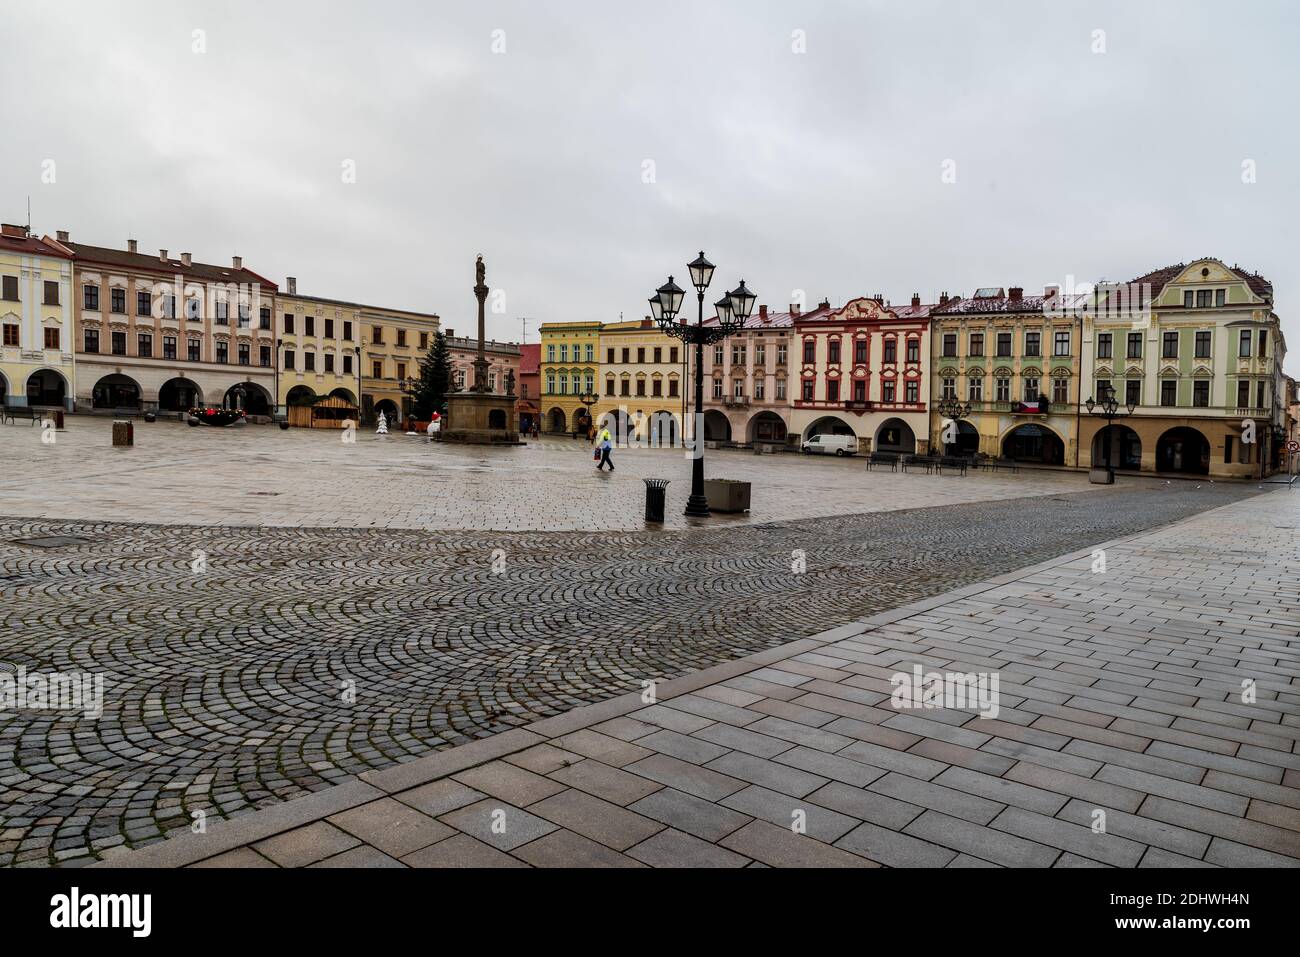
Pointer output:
606, 444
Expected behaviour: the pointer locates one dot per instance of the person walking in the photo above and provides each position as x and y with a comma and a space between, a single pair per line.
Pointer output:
606, 444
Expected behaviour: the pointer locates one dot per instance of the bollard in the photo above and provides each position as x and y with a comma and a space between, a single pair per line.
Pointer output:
58, 420
655, 494
123, 433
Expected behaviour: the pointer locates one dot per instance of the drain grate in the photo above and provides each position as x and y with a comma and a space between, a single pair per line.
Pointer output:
49, 541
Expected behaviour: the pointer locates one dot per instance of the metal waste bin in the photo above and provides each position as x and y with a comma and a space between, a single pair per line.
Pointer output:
655, 493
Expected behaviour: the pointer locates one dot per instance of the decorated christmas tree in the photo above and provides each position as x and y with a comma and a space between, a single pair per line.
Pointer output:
435, 380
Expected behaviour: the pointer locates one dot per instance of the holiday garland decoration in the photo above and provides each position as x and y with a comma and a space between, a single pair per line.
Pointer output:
211, 415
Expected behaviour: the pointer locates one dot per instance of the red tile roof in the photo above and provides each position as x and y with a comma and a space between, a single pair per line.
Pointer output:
102, 255
32, 246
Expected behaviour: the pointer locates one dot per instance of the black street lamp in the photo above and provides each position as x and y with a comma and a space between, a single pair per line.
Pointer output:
950, 407
733, 309
1109, 407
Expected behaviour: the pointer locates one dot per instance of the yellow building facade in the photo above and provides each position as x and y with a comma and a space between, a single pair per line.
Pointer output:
641, 380
569, 366
36, 319
393, 343
318, 349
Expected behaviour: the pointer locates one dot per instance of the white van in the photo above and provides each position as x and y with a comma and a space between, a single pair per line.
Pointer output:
825, 443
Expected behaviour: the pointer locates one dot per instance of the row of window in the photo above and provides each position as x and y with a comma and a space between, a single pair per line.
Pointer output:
309, 329
1132, 391
760, 389
9, 290
166, 302
559, 384
1033, 345
589, 353
657, 352
1032, 389
739, 350
888, 390
656, 387
11, 335
194, 348
309, 362
889, 354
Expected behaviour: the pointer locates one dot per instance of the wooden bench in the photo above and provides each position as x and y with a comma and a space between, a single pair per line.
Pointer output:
13, 412
883, 458
953, 463
918, 462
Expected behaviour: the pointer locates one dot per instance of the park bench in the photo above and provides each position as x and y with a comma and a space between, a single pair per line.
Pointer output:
953, 463
883, 458
1010, 465
14, 412
918, 462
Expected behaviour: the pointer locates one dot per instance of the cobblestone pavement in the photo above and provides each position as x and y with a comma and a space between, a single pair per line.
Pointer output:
227, 653
1147, 715
258, 475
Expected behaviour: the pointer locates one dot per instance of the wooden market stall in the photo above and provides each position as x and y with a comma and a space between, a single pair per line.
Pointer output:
328, 412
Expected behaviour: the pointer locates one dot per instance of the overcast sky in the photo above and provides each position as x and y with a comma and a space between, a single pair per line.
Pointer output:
819, 171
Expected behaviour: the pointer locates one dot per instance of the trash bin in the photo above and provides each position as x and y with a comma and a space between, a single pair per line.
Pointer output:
655, 492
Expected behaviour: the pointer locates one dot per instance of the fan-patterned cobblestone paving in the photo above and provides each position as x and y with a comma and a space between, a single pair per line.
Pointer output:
229, 654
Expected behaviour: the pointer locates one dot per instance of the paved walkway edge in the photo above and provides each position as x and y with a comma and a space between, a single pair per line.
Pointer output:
225, 835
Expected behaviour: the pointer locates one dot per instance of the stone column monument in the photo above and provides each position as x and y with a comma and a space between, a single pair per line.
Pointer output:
480, 416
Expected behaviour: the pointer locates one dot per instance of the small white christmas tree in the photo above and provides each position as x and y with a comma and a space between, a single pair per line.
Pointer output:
383, 425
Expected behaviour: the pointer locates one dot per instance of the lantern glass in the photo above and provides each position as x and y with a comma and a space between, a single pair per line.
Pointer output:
670, 298
701, 272
656, 308
742, 301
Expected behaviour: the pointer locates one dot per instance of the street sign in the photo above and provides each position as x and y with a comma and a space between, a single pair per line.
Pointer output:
1293, 446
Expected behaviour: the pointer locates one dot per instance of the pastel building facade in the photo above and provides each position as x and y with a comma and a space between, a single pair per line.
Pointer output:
163, 333
640, 381
37, 324
318, 346
570, 363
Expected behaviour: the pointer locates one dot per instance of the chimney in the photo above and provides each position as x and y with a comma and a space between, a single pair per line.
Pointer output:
292, 283
130, 245
916, 300
238, 261
1051, 292
162, 255
186, 259
879, 297
1015, 293
943, 299
17, 232
61, 235
762, 311
794, 308
824, 304
451, 333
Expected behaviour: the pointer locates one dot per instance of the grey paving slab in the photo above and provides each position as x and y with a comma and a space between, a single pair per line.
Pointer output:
686, 812
391, 826
461, 850
606, 823
783, 810
496, 823
613, 784
893, 849
306, 845
566, 849
781, 847
673, 848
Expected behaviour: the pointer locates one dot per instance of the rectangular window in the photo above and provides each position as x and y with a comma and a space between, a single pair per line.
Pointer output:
859, 391
808, 387
627, 355
1104, 345
1032, 344
977, 343
309, 327
672, 354
377, 369
244, 315
1133, 392
90, 340
949, 390
809, 352
1201, 393
168, 304
781, 353
91, 298
401, 370
194, 310
264, 356
738, 355
949, 345
625, 387
401, 337
609, 355
194, 349
264, 318
891, 350
1204, 298
1135, 345
860, 352
1187, 299
347, 330
11, 334
975, 390
780, 389
288, 323
659, 355
117, 300
717, 388
1243, 349
590, 352
1259, 395
1004, 344
1169, 345
329, 333
609, 386
672, 388
289, 360
1168, 392
379, 335
760, 388
833, 352
10, 285
144, 345
1031, 389
223, 351
564, 352
1263, 343
309, 362
1002, 390
119, 343
550, 352
244, 354
1243, 394
640, 355
220, 312
913, 350
1203, 345
347, 364
169, 347
888, 391
832, 390
1220, 297
1061, 343
52, 295
657, 387
1061, 391
329, 362
912, 391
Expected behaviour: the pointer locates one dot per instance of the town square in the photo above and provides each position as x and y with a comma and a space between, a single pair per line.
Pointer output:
445, 443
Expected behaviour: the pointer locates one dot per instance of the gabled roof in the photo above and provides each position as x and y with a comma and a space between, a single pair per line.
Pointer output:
1159, 278
758, 321
32, 246
122, 259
